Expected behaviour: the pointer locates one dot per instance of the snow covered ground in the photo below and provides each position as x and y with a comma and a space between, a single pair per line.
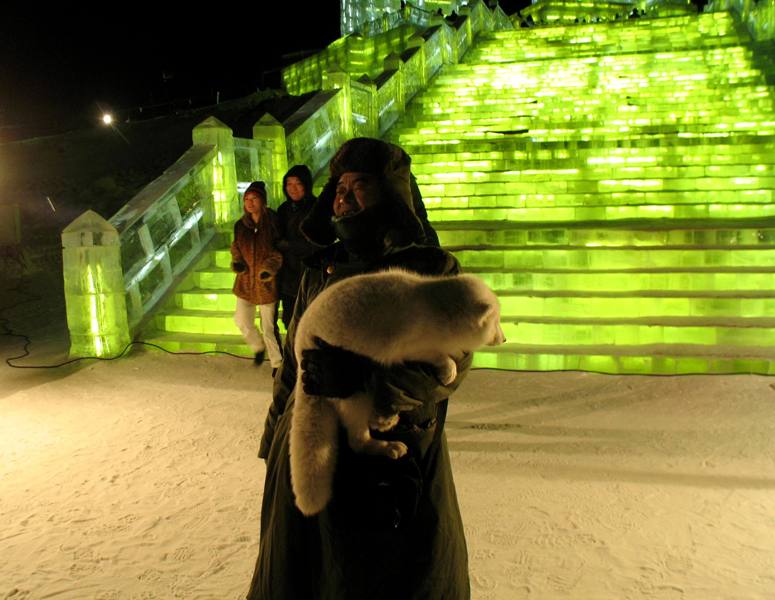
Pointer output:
138, 479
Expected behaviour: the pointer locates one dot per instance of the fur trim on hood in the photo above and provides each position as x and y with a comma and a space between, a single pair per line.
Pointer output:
391, 165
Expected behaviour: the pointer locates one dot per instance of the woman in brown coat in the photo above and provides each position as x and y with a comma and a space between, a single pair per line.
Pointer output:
256, 262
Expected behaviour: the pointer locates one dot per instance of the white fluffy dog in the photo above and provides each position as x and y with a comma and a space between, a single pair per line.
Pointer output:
390, 317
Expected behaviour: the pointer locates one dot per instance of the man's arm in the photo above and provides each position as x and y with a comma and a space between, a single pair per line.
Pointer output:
411, 385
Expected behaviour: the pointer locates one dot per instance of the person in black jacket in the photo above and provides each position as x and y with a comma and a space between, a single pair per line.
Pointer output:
294, 246
392, 528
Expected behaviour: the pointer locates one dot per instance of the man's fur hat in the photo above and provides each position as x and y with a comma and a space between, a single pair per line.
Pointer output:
391, 165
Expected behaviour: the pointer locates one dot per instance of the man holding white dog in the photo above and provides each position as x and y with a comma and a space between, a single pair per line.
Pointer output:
392, 528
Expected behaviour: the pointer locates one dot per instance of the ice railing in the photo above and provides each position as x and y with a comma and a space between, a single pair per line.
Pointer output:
758, 17
360, 54
117, 271
374, 21
156, 236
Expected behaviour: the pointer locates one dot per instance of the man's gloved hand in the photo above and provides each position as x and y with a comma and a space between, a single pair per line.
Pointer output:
238, 267
264, 275
332, 371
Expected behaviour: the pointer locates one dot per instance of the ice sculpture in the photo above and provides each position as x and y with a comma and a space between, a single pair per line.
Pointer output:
94, 287
214, 132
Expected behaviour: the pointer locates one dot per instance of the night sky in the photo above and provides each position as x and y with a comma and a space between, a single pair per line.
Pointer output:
64, 63
60, 66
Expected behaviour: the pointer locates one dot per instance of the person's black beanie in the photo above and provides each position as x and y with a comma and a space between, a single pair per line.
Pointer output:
257, 187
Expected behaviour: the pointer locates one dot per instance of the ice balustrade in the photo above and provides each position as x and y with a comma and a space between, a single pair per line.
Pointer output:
253, 162
426, 14
117, 271
353, 54
359, 55
348, 106
354, 13
371, 17
155, 236
316, 130
436, 48
758, 17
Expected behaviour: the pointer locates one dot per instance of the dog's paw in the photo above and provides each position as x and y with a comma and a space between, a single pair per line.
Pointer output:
396, 449
383, 422
383, 448
448, 372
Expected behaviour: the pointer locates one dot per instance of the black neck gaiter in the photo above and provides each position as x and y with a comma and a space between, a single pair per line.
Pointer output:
364, 233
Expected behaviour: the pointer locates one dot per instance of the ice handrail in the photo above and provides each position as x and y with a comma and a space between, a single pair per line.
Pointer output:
117, 271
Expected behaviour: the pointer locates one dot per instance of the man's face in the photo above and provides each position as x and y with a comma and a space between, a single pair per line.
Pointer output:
354, 192
294, 188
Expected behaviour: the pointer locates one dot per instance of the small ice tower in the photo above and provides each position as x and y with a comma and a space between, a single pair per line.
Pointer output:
225, 198
270, 131
94, 287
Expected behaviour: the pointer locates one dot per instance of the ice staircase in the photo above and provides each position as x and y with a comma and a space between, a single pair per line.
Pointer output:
200, 315
614, 183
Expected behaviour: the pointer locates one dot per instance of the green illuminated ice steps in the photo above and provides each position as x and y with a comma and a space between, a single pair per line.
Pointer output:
708, 30
615, 184
200, 315
627, 299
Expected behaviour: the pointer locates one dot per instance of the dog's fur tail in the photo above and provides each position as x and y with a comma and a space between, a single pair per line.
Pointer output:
313, 448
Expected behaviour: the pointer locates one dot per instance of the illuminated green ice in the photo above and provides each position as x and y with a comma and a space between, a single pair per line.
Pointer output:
269, 131
224, 173
355, 13
354, 54
94, 287
613, 182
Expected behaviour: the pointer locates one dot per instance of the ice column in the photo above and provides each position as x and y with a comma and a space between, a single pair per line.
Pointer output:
268, 129
226, 201
94, 287
339, 80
